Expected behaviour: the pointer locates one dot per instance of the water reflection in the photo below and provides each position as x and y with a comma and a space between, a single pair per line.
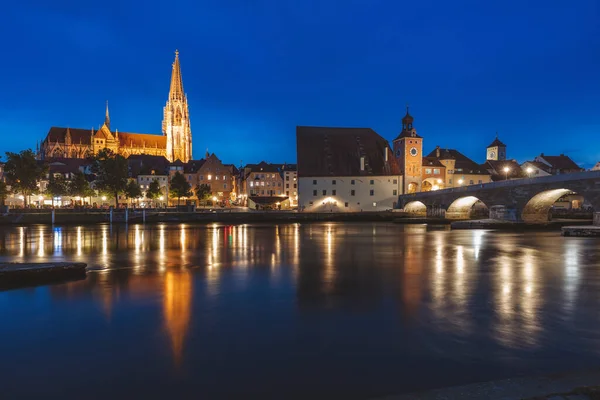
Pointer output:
411, 292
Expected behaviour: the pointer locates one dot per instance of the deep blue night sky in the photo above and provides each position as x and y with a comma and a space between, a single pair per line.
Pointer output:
253, 70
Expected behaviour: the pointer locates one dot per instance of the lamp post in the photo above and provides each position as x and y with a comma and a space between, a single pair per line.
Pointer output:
506, 169
529, 171
460, 181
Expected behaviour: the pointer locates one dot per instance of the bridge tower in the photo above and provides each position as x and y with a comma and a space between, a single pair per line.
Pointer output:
408, 150
496, 150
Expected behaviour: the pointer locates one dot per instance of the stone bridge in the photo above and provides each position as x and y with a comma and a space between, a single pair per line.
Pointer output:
528, 200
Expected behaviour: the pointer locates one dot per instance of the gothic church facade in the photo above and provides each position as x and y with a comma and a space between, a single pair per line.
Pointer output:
175, 143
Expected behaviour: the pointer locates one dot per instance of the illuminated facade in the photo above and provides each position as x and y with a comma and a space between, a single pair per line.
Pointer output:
175, 143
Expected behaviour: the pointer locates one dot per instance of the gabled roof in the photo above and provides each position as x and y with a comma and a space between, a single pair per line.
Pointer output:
538, 164
262, 167
560, 162
326, 151
65, 165
432, 162
144, 164
58, 134
408, 133
496, 169
463, 164
193, 166
142, 140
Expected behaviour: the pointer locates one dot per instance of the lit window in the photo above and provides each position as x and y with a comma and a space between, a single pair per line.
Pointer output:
224, 177
209, 177
251, 184
427, 170
374, 204
436, 170
262, 183
216, 177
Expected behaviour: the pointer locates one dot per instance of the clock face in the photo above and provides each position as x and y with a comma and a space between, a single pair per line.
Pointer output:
414, 151
492, 154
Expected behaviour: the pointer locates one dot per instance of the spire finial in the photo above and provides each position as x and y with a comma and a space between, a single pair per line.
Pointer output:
407, 108
496, 134
107, 117
176, 92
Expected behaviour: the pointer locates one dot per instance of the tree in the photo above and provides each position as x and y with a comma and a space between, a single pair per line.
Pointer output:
154, 190
57, 186
132, 190
111, 173
23, 172
79, 186
179, 187
202, 192
3, 192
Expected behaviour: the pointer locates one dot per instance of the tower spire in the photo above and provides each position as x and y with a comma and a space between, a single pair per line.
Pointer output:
176, 91
107, 117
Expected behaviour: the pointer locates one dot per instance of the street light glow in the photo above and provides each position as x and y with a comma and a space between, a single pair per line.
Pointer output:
506, 169
460, 181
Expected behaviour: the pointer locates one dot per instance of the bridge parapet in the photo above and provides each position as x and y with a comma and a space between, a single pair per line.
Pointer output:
529, 199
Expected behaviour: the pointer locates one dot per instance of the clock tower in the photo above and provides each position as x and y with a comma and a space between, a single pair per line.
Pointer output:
496, 150
408, 150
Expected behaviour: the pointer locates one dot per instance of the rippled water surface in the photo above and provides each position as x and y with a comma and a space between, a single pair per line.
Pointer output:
294, 311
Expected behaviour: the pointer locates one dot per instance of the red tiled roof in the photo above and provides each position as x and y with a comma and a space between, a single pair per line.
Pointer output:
142, 140
83, 136
561, 162
462, 164
337, 152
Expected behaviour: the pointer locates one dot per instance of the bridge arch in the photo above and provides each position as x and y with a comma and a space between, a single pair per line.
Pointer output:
462, 208
537, 209
416, 208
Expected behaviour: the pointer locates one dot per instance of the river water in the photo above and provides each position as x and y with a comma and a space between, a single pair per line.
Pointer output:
351, 310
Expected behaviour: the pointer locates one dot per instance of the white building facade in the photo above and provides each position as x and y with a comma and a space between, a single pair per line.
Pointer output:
346, 170
349, 193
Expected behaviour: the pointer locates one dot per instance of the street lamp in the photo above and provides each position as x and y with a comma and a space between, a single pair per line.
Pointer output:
460, 181
506, 169
529, 171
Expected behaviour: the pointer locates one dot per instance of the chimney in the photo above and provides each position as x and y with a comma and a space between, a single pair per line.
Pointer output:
362, 163
562, 155
437, 151
386, 154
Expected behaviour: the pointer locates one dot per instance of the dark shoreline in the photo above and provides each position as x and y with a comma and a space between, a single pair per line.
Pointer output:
229, 217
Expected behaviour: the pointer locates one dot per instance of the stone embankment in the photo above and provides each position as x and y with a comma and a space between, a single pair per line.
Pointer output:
14, 275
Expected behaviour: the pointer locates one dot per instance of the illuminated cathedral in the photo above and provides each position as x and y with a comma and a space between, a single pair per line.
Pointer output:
175, 143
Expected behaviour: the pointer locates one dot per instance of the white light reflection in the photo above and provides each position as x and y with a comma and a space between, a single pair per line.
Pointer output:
571, 275
40, 252
161, 248
57, 236
105, 246
21, 241
477, 241
79, 241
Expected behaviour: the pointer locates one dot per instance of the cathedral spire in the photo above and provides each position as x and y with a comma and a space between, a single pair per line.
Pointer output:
107, 117
176, 91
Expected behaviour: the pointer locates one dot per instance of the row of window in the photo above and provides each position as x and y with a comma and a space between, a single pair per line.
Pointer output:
353, 192
334, 203
262, 192
287, 178
287, 186
353, 182
435, 171
151, 178
266, 176
268, 184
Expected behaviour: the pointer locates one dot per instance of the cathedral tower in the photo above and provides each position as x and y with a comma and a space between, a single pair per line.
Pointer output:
176, 120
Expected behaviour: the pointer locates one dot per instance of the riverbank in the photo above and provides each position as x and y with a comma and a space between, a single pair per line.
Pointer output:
16, 275
223, 216
567, 386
